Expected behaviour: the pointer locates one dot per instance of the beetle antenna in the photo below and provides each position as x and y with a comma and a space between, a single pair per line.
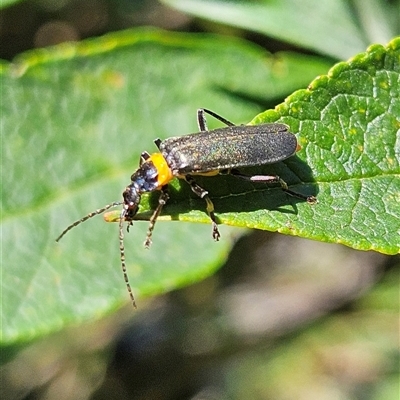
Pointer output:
90, 215
122, 255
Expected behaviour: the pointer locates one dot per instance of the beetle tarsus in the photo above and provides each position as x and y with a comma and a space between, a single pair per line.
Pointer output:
215, 234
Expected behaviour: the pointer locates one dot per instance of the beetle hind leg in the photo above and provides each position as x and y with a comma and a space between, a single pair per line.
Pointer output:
273, 179
202, 122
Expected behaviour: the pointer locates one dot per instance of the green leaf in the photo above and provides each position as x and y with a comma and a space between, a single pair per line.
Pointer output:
348, 124
75, 119
327, 27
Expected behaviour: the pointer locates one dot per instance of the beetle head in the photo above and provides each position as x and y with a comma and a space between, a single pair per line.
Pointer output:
131, 197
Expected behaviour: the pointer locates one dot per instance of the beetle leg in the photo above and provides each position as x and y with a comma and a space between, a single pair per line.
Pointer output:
201, 119
157, 142
203, 194
143, 157
161, 202
273, 179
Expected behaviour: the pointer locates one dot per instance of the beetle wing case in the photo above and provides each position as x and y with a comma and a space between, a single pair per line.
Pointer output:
232, 147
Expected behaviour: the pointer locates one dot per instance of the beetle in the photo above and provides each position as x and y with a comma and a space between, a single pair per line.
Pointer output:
208, 152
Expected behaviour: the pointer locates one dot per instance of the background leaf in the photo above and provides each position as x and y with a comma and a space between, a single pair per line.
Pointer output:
379, 19
75, 120
327, 27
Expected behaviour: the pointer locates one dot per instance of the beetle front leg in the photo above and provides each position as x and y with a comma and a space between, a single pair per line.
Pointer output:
153, 219
203, 194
